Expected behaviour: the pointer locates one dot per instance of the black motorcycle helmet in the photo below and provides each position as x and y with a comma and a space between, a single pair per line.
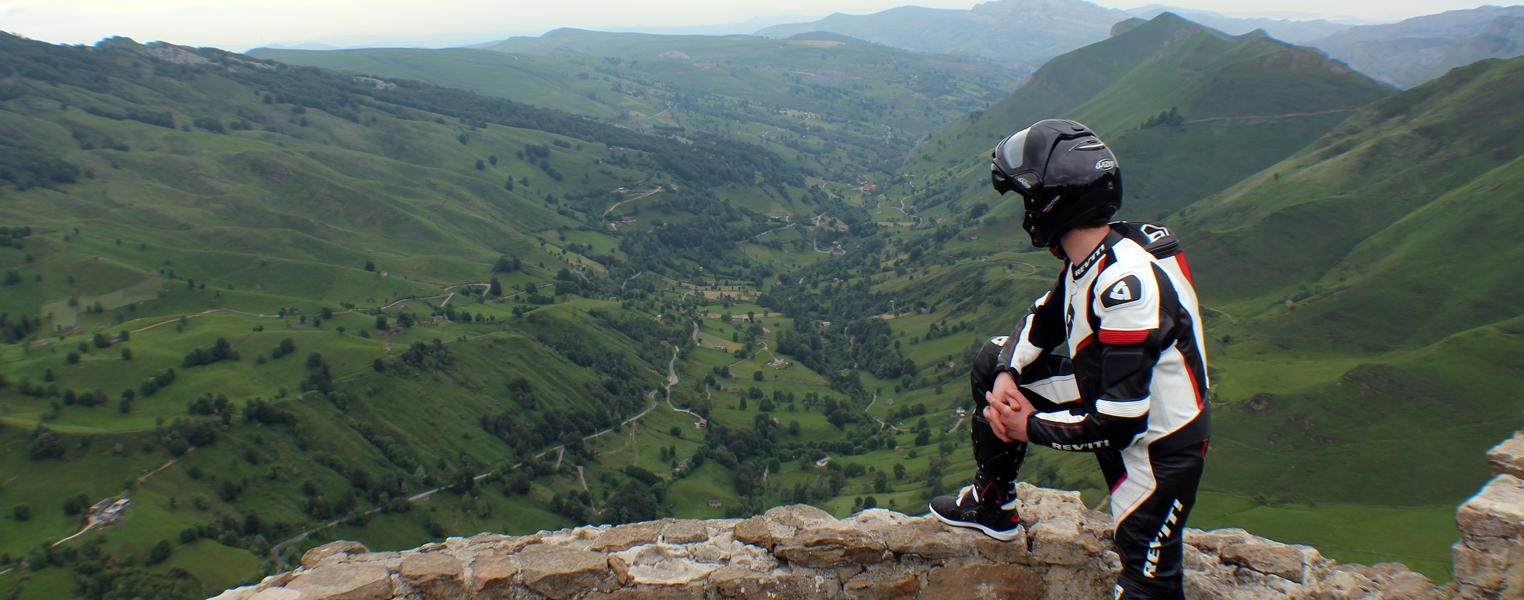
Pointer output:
1065, 174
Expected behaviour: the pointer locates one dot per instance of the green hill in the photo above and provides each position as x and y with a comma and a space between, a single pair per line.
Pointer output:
1188, 110
1381, 252
841, 109
1357, 297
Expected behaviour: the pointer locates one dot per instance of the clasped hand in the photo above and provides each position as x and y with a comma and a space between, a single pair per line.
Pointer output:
1008, 410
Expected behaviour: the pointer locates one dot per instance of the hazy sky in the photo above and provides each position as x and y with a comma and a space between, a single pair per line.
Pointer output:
247, 23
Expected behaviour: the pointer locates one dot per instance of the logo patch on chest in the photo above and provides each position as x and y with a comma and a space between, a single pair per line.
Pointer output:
1128, 289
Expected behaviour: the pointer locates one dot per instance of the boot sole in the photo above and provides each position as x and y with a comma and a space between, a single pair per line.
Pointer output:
1004, 536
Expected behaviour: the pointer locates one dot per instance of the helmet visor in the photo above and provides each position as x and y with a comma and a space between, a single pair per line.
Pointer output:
1011, 153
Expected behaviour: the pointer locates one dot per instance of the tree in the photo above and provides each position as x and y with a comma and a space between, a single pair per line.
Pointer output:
370, 266
76, 504
378, 366
899, 471
160, 552
480, 166
126, 353
467, 480
45, 444
757, 376
22, 512
520, 484
506, 264
380, 322
494, 287
72, 358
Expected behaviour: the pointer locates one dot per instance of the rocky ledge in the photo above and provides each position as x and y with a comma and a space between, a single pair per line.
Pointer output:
803, 552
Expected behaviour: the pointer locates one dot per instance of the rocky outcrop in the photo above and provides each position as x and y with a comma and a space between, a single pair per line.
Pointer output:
1489, 558
803, 552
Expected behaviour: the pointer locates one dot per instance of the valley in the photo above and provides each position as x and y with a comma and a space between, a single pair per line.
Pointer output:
396, 295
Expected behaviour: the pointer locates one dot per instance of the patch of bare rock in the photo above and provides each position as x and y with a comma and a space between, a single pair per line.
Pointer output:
802, 552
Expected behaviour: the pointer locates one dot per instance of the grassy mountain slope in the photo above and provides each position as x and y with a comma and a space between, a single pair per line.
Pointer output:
1295, 222
257, 299
1379, 255
164, 202
840, 108
1241, 104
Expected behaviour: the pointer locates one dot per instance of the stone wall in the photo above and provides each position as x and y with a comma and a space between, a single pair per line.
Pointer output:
803, 552
1489, 558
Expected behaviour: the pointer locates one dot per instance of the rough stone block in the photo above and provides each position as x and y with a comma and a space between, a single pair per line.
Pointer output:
1482, 562
277, 594
1496, 511
755, 531
625, 537
832, 545
316, 556
1091, 581
438, 575
1411, 586
343, 582
559, 572
659, 564
929, 539
648, 593
1212, 542
740, 582
1508, 457
1062, 539
684, 532
1273, 558
1005, 582
493, 574
883, 583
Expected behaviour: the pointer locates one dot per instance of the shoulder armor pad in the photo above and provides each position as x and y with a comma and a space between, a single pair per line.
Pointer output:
1158, 240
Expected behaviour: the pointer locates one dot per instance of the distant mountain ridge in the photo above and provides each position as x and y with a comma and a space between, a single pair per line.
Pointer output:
1025, 33
1050, 28
1411, 52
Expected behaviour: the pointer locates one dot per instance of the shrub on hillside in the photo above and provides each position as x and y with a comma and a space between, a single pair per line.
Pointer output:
220, 351
45, 444
286, 346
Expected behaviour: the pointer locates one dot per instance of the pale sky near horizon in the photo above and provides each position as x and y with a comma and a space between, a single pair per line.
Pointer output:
243, 25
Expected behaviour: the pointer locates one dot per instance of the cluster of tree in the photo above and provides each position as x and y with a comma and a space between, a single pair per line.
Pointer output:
320, 375
152, 385
206, 404
425, 357
506, 264
13, 330
98, 575
862, 344
1170, 117
44, 444
219, 351
95, 398
267, 413
285, 347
